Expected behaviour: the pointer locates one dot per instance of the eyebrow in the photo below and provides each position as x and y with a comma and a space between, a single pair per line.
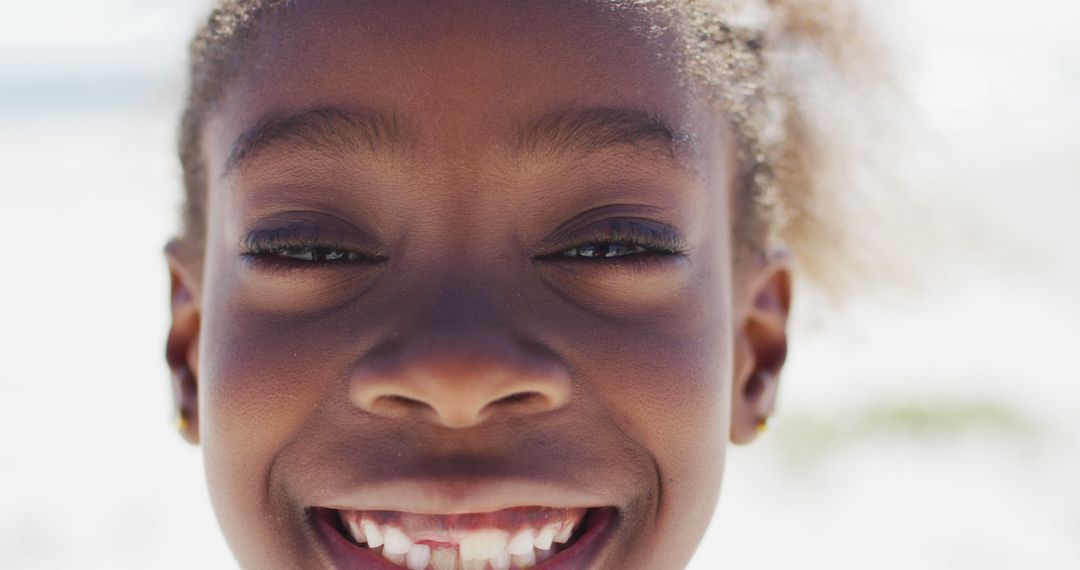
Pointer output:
327, 129
575, 131
589, 130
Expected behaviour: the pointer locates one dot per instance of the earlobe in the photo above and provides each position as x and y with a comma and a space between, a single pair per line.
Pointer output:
182, 345
761, 347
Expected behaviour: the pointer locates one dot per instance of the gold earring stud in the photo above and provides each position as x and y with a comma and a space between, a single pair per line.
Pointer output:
181, 422
762, 425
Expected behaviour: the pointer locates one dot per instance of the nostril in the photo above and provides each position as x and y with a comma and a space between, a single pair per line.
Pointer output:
397, 405
518, 398
521, 402
395, 399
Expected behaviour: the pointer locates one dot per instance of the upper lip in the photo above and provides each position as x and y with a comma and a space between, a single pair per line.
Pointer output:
460, 496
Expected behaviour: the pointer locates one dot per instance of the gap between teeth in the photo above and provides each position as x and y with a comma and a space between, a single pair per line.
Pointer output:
476, 550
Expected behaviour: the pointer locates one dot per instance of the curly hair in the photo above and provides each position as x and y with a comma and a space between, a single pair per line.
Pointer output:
772, 66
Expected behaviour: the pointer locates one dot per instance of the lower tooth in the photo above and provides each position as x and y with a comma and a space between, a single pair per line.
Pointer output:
474, 564
542, 555
444, 559
524, 560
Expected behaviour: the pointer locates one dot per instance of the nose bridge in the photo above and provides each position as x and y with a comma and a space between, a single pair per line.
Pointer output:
464, 296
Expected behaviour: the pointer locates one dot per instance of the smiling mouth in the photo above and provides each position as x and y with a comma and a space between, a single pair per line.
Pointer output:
509, 539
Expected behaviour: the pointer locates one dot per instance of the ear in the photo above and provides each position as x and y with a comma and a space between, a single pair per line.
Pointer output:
761, 344
182, 345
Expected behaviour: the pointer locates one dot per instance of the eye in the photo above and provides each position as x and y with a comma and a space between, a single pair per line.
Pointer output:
623, 240
316, 253
605, 250
289, 246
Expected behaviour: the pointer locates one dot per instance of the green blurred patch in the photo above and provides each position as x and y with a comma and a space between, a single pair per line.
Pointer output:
940, 419
809, 436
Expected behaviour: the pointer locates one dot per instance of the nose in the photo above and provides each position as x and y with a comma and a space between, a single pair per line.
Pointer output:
460, 382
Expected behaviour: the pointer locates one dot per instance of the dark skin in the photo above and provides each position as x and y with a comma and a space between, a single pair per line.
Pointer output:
458, 297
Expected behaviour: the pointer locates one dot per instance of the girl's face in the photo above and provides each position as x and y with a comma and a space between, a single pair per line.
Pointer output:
469, 258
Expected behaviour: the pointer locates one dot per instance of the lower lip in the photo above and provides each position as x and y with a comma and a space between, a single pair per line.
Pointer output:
348, 556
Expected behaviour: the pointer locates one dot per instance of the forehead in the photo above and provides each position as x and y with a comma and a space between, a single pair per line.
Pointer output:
465, 70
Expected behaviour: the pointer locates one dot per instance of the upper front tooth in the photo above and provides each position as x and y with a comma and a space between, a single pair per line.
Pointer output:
482, 545
501, 562
444, 559
522, 543
563, 536
544, 538
371, 531
418, 557
395, 541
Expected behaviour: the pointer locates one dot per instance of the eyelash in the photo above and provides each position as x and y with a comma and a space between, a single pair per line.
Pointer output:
272, 245
651, 244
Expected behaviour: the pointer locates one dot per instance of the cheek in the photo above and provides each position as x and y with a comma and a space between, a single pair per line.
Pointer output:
266, 349
260, 378
667, 388
670, 369
269, 369
264, 376
669, 384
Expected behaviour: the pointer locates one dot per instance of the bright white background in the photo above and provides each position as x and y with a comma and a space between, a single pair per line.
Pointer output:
934, 425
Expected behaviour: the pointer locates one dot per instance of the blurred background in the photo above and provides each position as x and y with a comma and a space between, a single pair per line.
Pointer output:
930, 424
